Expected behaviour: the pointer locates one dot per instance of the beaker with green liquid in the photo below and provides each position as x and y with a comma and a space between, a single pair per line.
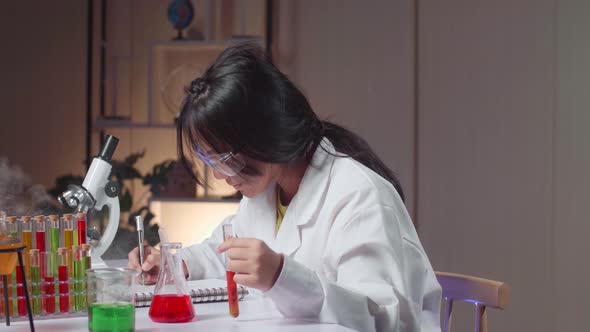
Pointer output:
110, 300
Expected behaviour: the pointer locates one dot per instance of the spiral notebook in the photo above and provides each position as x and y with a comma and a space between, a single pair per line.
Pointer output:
201, 291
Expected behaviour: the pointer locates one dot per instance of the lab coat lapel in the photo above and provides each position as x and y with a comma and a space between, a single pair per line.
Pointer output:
308, 200
263, 216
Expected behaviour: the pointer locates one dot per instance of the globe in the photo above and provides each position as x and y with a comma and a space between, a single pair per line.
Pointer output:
180, 14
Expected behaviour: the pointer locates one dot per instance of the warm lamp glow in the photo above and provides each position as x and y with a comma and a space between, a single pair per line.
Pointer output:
190, 222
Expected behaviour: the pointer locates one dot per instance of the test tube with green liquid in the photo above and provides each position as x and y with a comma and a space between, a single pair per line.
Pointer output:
12, 227
86, 259
68, 227
76, 274
53, 241
84, 265
35, 279
52, 258
76, 242
27, 238
53, 232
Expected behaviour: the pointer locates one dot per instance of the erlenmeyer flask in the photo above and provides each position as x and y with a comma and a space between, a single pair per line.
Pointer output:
172, 302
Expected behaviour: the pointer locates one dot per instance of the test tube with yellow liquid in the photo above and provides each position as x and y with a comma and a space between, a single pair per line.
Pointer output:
27, 233
27, 238
68, 224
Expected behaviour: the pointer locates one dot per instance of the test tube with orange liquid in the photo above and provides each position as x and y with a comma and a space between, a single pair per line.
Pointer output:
27, 234
232, 289
8, 260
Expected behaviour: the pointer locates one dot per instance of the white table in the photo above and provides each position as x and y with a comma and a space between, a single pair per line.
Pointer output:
257, 314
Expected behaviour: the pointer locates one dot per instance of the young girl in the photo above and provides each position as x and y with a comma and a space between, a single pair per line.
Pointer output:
322, 228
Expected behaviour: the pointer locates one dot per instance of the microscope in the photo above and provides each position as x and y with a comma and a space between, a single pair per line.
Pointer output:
96, 191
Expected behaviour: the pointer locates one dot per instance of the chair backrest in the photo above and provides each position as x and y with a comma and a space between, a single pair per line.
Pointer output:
481, 292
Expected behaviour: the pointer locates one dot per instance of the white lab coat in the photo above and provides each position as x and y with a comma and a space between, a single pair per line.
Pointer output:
352, 255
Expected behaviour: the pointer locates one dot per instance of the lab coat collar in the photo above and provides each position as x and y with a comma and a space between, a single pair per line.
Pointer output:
312, 189
303, 208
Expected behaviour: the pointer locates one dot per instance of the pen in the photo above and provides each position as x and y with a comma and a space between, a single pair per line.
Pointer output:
139, 224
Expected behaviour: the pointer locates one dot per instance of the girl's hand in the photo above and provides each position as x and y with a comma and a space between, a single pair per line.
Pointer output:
151, 264
254, 263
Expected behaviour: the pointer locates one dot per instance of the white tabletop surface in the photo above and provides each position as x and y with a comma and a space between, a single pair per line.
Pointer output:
256, 314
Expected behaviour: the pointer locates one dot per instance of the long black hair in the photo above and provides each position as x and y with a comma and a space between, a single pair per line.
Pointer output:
244, 104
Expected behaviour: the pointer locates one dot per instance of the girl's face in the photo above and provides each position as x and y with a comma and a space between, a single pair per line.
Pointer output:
251, 186
248, 185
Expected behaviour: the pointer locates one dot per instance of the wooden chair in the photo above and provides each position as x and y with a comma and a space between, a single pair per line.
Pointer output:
482, 292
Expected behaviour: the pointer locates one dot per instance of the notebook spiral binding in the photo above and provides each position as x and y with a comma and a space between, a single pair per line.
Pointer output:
202, 295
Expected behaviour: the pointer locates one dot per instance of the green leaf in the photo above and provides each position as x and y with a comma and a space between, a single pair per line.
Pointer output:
134, 157
122, 171
158, 179
125, 201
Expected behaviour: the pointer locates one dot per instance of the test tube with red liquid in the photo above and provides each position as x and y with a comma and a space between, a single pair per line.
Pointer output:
40, 233
81, 228
64, 296
20, 293
232, 289
48, 284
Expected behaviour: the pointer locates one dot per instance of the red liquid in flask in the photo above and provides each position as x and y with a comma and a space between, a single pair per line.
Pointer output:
171, 308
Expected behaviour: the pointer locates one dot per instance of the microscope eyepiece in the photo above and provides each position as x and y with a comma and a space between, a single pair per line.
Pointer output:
108, 149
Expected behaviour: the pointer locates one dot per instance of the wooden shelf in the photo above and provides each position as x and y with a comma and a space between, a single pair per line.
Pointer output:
110, 123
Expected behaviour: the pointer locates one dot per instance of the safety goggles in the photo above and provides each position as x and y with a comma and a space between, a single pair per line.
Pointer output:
227, 163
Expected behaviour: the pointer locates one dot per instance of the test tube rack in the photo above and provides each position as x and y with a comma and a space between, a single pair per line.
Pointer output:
49, 297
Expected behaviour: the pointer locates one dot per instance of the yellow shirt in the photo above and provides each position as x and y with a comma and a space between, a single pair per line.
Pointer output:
281, 210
